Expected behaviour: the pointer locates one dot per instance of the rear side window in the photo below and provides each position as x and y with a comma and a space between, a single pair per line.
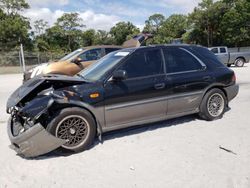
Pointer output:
108, 50
222, 50
208, 55
144, 63
179, 60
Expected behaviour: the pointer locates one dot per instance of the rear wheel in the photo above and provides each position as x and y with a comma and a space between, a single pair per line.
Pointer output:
239, 62
75, 125
213, 105
229, 65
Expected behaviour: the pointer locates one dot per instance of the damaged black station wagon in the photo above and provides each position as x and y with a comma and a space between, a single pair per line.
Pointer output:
123, 89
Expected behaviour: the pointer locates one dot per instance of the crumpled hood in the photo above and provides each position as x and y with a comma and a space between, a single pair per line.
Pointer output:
36, 85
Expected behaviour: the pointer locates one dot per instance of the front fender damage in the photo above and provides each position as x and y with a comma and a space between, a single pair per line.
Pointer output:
34, 142
27, 125
31, 107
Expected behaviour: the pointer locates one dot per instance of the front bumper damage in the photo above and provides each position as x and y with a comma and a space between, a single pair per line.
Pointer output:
28, 137
33, 142
30, 107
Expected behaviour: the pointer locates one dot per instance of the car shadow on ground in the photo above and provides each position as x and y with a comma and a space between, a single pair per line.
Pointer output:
123, 133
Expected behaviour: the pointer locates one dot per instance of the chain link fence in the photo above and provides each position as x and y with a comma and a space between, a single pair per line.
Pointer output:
13, 58
11, 61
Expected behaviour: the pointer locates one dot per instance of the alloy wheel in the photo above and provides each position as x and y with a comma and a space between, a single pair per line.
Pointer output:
74, 129
240, 63
215, 105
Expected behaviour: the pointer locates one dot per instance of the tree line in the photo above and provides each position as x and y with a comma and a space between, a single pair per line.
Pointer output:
211, 23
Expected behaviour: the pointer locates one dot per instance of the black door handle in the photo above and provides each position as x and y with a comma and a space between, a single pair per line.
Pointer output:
159, 86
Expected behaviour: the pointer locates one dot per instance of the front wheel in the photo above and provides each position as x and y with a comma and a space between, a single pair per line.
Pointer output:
213, 105
75, 125
239, 62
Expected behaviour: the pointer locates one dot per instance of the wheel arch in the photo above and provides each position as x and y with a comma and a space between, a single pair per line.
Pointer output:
221, 87
203, 108
83, 106
240, 57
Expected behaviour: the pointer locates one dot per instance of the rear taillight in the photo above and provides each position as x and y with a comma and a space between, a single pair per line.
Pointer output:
234, 78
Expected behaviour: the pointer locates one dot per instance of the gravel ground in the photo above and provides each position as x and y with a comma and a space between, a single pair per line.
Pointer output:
184, 152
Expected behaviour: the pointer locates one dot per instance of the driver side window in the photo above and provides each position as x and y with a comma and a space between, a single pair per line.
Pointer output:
144, 63
91, 55
215, 50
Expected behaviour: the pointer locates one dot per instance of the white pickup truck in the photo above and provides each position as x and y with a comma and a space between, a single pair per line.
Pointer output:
229, 58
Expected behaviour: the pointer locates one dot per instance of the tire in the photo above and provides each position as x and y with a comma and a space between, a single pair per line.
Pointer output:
76, 125
239, 62
213, 105
229, 65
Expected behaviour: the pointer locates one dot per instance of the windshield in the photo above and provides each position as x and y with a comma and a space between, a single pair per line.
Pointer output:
71, 55
98, 69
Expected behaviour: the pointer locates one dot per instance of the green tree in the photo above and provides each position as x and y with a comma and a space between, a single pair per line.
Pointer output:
103, 37
13, 7
56, 39
88, 37
122, 31
153, 24
203, 20
14, 28
40, 26
235, 24
39, 35
172, 28
70, 25
42, 45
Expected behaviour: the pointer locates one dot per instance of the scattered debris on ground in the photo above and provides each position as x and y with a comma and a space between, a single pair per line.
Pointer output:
227, 150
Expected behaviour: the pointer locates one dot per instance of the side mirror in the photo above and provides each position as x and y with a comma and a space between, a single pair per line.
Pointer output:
119, 75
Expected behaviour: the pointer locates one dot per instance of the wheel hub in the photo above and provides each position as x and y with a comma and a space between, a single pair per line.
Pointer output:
215, 105
72, 131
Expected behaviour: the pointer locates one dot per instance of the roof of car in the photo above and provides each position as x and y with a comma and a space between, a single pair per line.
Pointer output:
101, 46
162, 45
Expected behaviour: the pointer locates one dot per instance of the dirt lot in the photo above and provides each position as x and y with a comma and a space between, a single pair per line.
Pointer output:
184, 152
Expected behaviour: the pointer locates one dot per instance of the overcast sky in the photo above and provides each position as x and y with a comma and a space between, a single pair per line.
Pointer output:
103, 14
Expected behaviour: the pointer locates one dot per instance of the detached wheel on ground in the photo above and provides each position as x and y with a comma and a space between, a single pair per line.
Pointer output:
75, 125
213, 105
239, 62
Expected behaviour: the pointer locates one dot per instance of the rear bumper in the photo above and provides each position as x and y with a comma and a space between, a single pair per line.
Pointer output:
33, 142
232, 91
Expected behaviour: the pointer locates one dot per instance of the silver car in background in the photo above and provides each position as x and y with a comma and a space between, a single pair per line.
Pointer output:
230, 58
